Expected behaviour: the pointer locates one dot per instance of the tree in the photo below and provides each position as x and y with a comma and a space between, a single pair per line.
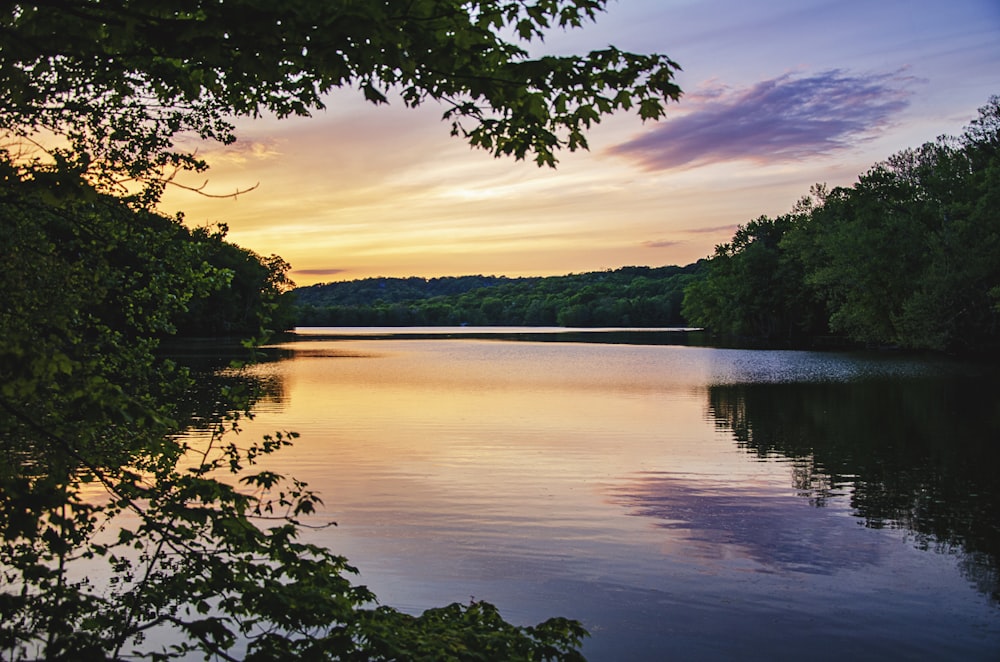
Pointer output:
907, 256
255, 299
630, 296
752, 286
99, 99
116, 82
957, 302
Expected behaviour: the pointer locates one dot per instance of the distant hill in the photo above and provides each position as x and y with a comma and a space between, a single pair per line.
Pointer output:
374, 291
630, 296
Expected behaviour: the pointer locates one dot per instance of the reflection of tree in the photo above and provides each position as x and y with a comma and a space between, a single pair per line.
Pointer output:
919, 455
222, 384
194, 549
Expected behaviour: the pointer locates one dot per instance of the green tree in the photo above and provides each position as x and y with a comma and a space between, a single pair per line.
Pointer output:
624, 297
116, 82
752, 286
909, 255
952, 307
101, 98
88, 286
871, 246
254, 302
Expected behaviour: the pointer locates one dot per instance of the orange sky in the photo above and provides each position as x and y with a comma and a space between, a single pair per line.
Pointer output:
778, 96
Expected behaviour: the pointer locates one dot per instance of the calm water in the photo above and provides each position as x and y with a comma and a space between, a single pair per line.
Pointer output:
682, 502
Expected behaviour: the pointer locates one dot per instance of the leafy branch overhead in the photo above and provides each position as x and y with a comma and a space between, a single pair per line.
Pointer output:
118, 82
101, 104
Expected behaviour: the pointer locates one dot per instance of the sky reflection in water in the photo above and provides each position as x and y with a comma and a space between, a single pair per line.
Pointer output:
681, 501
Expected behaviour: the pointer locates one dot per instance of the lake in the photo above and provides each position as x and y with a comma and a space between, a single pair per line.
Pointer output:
682, 501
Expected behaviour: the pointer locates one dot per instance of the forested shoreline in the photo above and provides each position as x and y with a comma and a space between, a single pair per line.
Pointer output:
908, 257
630, 296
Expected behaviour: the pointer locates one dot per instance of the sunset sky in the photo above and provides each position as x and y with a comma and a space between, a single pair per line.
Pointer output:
778, 95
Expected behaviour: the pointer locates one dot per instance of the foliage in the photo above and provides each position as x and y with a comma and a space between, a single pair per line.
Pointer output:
88, 285
368, 291
116, 82
753, 287
468, 632
120, 538
254, 303
106, 97
630, 296
909, 256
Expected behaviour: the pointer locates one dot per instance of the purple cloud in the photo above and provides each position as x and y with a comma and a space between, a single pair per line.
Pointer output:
783, 119
661, 244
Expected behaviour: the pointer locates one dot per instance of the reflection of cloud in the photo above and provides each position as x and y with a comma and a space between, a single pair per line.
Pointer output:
783, 119
776, 530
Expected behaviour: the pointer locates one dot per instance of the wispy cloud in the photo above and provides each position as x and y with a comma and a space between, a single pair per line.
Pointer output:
318, 272
787, 118
244, 151
732, 227
661, 243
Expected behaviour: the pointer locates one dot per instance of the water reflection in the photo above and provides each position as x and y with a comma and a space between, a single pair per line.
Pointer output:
226, 379
682, 501
773, 530
881, 439
914, 454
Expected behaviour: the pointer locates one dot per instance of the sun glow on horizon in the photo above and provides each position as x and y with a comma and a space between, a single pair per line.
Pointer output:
362, 191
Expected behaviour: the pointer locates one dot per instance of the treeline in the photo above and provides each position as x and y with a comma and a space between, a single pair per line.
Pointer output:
909, 256
250, 296
369, 291
630, 296
76, 265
